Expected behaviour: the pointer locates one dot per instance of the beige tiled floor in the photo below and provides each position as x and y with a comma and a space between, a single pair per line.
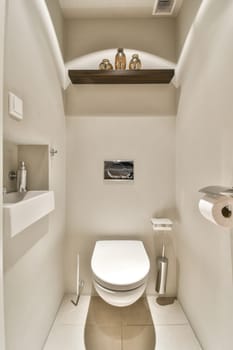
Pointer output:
101, 313
128, 328
103, 337
138, 337
137, 314
111, 328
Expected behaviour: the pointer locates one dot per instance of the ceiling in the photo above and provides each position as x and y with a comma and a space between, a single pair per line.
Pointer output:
107, 8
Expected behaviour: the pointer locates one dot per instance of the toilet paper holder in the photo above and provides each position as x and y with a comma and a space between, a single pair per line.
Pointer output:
217, 191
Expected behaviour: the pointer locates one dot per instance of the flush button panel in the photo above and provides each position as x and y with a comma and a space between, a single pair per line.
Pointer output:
119, 170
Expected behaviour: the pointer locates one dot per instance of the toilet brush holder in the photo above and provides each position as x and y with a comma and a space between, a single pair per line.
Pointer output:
161, 281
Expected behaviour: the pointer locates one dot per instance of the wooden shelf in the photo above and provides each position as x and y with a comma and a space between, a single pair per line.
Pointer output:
143, 76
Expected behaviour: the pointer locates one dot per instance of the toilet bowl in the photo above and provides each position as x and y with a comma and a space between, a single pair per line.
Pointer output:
120, 270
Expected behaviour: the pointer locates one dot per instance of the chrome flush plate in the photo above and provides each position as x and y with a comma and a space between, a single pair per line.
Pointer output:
119, 170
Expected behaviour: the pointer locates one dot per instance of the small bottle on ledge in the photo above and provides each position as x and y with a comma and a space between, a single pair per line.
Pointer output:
105, 65
120, 60
135, 62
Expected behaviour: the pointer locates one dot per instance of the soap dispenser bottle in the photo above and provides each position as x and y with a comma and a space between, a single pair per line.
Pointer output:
22, 177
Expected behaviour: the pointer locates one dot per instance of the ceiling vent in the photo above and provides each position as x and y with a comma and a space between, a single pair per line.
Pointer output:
166, 7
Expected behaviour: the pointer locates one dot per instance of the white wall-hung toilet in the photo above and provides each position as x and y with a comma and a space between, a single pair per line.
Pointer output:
120, 270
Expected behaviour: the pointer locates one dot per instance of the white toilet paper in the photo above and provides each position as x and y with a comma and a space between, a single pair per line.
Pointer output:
217, 209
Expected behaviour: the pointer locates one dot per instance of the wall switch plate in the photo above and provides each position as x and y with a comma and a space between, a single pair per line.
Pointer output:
15, 106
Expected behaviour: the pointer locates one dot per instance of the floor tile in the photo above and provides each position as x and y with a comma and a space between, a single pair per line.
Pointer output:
137, 313
102, 313
179, 337
103, 337
71, 314
138, 338
111, 328
66, 337
165, 315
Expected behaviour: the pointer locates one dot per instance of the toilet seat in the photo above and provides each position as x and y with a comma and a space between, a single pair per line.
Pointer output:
120, 265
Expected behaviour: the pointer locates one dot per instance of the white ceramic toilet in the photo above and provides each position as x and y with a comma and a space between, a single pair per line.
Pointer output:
120, 269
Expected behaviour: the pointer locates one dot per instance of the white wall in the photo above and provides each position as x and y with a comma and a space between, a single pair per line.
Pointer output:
204, 157
111, 122
89, 35
57, 19
121, 100
155, 36
34, 271
2, 41
100, 210
184, 21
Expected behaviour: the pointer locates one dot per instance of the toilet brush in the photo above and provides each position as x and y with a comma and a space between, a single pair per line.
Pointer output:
162, 264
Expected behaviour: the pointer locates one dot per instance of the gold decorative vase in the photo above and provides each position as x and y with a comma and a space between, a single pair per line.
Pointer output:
120, 60
135, 62
105, 65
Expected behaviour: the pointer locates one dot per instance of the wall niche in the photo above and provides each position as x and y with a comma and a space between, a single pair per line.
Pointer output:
36, 158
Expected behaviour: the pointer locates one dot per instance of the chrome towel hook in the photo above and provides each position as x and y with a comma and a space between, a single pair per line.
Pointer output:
53, 151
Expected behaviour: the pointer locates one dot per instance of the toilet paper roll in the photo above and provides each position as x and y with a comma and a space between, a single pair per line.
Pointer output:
217, 209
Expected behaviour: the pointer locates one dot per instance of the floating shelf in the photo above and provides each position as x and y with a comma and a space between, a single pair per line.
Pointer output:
143, 76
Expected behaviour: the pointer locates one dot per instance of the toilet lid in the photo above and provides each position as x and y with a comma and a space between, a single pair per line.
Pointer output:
119, 264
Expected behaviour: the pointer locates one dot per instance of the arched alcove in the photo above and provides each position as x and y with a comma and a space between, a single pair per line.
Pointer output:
92, 60
145, 99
